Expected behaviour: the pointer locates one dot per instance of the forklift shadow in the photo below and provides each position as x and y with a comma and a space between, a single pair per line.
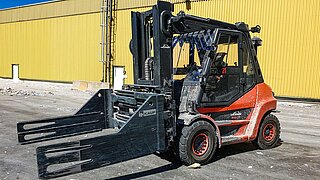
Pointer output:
234, 149
221, 153
168, 167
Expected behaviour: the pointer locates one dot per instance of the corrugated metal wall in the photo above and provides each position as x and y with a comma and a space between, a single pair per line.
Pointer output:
58, 49
49, 9
53, 41
290, 53
63, 44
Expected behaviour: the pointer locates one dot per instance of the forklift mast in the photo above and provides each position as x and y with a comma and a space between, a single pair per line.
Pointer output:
145, 113
151, 48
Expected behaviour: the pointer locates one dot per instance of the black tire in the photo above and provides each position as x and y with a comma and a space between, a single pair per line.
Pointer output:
196, 143
269, 133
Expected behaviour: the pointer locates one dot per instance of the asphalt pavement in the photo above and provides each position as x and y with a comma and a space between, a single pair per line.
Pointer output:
298, 156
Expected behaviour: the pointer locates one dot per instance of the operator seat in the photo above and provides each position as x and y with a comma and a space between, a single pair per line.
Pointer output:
216, 83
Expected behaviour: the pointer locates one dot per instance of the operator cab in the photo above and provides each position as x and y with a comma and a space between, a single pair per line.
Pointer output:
213, 68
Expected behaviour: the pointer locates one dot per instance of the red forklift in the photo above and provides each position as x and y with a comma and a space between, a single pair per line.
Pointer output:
220, 99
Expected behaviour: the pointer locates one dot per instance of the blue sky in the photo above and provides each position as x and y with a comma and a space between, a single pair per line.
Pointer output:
13, 3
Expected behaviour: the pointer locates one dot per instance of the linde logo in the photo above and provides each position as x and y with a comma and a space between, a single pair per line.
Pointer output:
236, 113
149, 112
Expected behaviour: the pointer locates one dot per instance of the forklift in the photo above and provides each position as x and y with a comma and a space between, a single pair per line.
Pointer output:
219, 99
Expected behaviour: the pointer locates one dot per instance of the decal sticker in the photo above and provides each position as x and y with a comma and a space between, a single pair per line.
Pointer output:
224, 71
231, 115
149, 112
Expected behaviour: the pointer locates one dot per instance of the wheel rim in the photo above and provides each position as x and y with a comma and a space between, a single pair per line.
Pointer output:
200, 144
269, 132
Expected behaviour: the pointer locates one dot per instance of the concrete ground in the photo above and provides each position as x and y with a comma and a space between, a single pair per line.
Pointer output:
298, 157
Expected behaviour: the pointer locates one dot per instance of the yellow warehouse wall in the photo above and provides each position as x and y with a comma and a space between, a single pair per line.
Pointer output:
58, 49
67, 48
290, 52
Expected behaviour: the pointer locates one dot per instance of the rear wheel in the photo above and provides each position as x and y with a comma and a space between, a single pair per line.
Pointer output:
269, 133
197, 143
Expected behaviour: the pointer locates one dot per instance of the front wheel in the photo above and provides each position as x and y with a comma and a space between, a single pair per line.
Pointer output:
269, 133
197, 143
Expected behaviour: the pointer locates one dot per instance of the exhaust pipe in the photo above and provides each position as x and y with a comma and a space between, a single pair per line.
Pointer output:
256, 41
